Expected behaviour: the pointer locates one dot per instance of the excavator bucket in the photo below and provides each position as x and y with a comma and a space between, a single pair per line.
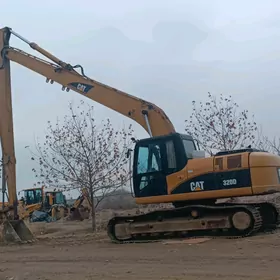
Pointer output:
16, 231
75, 215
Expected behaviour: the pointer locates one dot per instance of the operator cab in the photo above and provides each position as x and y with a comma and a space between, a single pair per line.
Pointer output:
32, 196
157, 157
54, 197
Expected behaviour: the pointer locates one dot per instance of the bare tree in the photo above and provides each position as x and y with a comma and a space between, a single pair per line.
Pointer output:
218, 124
273, 146
270, 145
78, 153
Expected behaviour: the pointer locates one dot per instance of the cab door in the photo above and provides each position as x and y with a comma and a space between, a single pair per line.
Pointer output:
149, 176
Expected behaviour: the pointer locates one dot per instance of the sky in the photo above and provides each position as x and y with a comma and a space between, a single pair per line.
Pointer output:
167, 52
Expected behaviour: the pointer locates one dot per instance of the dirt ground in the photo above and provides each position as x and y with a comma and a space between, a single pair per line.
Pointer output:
68, 250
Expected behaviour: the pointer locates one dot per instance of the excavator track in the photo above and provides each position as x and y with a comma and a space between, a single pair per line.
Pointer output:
231, 220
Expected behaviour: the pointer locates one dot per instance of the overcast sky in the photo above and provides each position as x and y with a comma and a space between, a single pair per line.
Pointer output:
168, 52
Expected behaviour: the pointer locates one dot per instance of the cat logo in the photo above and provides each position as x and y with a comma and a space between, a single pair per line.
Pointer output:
81, 87
197, 186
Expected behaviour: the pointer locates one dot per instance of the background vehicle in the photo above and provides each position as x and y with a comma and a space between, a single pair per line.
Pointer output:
41, 199
167, 165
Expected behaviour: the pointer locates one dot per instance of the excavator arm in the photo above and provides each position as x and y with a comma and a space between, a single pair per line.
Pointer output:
149, 116
76, 211
82, 197
6, 127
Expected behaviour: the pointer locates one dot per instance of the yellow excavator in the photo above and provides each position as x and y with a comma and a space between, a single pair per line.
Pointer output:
167, 166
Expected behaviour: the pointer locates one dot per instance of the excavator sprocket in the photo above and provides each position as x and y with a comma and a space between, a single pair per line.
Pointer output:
229, 220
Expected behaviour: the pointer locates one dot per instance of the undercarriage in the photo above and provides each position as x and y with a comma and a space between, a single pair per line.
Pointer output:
229, 220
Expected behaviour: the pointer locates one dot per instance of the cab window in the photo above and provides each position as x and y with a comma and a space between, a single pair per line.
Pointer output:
149, 159
38, 196
30, 197
59, 198
171, 156
188, 146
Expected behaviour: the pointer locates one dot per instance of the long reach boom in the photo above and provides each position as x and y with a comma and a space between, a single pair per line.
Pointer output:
149, 116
